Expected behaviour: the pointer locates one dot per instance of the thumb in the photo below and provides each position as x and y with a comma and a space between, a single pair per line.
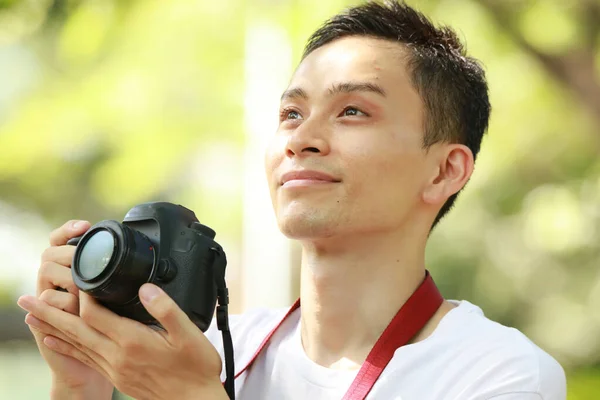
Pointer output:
164, 309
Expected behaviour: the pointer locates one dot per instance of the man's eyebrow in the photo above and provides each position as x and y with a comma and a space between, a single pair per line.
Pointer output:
343, 87
294, 93
349, 87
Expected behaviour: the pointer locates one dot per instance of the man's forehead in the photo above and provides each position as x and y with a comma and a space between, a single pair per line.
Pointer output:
352, 59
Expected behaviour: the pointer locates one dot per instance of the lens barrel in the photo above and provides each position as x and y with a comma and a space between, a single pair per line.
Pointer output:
112, 261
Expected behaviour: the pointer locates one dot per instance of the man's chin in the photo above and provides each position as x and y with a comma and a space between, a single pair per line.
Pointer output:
306, 228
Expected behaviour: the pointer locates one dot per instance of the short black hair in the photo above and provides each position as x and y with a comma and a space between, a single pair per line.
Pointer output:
452, 85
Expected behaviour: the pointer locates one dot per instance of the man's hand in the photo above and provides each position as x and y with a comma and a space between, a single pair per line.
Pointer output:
141, 362
72, 378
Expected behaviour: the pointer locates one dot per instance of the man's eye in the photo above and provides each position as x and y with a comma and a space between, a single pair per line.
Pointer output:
352, 111
287, 114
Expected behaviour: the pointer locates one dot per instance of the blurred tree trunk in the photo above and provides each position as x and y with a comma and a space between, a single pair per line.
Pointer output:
575, 69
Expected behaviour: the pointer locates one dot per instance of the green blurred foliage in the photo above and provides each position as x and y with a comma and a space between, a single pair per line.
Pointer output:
105, 104
7, 294
127, 94
584, 384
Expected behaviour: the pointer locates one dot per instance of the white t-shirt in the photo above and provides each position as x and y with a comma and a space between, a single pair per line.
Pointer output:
467, 357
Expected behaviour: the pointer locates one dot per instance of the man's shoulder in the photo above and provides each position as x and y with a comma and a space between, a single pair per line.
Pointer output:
484, 336
494, 358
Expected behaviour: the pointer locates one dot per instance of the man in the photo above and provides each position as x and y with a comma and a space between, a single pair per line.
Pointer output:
379, 130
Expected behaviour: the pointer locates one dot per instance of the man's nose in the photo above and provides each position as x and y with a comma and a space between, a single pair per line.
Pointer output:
310, 138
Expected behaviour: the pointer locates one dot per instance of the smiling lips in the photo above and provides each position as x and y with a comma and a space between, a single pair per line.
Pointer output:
306, 178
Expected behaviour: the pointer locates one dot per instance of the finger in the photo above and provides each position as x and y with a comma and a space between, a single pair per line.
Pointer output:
69, 230
166, 311
70, 325
52, 275
106, 322
62, 300
62, 255
60, 346
41, 329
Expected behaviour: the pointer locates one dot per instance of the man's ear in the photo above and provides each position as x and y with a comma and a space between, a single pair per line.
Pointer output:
454, 168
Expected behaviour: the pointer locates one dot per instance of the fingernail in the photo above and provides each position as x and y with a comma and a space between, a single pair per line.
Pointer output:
25, 302
49, 341
149, 291
33, 321
77, 224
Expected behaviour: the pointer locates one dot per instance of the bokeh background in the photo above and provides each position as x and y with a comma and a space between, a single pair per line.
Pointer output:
105, 104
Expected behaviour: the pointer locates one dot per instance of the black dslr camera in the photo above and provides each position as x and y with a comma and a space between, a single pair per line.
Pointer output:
162, 243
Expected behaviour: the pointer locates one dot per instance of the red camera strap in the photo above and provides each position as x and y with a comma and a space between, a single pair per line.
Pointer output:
409, 320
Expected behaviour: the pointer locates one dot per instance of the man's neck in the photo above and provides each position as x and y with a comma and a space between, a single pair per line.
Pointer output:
350, 292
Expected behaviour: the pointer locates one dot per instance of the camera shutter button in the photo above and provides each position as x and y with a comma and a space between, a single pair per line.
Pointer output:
166, 270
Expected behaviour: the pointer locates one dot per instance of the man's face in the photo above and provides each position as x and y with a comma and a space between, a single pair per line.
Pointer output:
350, 113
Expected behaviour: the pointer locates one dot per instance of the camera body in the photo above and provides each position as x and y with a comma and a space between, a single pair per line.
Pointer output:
161, 243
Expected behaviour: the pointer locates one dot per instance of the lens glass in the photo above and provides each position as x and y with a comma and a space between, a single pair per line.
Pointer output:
96, 254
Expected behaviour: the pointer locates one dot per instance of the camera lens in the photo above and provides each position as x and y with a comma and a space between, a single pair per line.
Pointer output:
96, 253
112, 261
